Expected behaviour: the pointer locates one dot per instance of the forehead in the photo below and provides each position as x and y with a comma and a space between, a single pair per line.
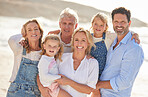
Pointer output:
97, 19
68, 19
120, 17
52, 42
80, 35
31, 24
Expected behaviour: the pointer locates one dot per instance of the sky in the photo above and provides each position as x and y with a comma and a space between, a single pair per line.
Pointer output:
138, 8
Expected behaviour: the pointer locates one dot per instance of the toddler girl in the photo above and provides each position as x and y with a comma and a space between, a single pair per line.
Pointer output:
52, 50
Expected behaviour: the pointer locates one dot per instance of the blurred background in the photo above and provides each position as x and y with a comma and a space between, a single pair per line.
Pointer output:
14, 13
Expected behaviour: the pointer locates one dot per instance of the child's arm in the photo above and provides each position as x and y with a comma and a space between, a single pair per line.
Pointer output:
43, 71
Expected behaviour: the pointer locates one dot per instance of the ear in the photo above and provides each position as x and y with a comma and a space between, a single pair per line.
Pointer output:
76, 25
129, 23
60, 24
44, 46
59, 48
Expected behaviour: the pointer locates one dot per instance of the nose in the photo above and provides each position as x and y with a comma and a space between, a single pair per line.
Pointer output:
79, 43
67, 26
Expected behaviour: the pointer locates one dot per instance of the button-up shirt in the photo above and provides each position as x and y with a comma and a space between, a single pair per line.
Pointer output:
122, 66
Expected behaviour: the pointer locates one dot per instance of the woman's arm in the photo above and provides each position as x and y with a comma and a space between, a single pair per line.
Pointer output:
44, 90
14, 43
77, 86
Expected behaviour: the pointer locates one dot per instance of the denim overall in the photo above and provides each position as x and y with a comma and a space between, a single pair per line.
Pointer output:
100, 54
25, 84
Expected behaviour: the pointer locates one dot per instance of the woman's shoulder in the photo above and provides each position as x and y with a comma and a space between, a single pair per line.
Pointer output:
92, 61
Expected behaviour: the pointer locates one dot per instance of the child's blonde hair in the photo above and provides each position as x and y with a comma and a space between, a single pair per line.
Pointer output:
53, 37
89, 38
103, 18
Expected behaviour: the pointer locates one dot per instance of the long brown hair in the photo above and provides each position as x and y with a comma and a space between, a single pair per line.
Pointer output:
24, 33
53, 37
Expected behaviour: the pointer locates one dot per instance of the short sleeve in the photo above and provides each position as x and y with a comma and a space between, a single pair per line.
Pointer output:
93, 73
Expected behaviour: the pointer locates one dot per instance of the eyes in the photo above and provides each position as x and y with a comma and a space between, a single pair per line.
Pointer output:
56, 46
34, 29
83, 40
122, 22
99, 25
65, 23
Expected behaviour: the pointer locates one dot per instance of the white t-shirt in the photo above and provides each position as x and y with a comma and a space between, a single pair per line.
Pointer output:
109, 38
67, 47
17, 51
86, 73
47, 75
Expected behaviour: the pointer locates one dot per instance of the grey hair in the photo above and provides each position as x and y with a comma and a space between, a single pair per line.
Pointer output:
67, 12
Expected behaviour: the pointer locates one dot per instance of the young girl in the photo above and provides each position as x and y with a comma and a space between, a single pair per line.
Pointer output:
52, 50
102, 39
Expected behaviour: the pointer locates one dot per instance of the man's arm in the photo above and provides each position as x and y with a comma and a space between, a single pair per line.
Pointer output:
54, 32
103, 84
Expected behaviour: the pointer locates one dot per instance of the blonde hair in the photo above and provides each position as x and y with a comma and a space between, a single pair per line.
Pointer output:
67, 12
103, 18
53, 37
24, 34
89, 38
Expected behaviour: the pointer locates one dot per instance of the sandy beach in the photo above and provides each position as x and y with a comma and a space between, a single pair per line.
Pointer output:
12, 17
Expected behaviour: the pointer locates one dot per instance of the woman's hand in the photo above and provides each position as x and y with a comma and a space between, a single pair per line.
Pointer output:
23, 42
63, 80
45, 92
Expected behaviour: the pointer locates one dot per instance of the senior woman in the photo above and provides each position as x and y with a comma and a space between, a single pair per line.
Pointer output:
23, 79
79, 74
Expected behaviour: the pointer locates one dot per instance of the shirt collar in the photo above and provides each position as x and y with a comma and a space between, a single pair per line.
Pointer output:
125, 39
67, 45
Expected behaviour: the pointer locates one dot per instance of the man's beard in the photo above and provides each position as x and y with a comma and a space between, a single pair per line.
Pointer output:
121, 32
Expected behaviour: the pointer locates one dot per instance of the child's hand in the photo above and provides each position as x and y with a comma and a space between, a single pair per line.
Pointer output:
89, 56
136, 37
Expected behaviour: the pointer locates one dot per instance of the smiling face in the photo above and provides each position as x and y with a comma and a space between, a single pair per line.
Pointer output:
121, 24
67, 25
51, 47
33, 32
98, 27
80, 42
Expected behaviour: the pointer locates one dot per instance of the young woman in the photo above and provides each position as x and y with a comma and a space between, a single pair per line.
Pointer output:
26, 58
79, 74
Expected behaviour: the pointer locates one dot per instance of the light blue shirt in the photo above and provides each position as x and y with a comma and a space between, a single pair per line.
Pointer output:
122, 66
